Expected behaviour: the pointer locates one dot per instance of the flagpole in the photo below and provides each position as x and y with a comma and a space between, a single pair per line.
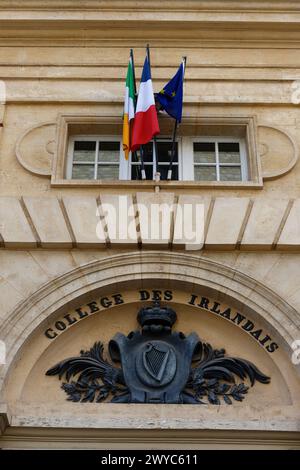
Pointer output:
143, 173
173, 152
154, 137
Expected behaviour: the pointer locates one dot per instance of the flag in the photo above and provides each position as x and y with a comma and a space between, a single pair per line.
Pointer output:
145, 124
129, 109
171, 96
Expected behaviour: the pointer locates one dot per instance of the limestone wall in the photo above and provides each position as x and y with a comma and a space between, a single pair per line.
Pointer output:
241, 64
64, 63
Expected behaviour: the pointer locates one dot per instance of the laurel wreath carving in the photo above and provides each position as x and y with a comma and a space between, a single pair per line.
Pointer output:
212, 378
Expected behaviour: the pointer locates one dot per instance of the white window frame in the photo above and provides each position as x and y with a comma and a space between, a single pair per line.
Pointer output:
185, 164
106, 138
127, 168
216, 140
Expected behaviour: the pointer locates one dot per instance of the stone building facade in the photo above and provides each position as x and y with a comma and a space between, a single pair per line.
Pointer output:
63, 265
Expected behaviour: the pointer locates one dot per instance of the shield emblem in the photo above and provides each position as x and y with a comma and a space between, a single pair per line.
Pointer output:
155, 361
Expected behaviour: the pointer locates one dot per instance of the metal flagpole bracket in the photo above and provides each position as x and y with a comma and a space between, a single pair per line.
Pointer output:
157, 180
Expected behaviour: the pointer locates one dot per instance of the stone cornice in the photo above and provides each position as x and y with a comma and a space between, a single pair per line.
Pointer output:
222, 19
175, 5
76, 19
149, 426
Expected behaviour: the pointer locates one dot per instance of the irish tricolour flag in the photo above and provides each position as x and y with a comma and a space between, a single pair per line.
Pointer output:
145, 125
129, 109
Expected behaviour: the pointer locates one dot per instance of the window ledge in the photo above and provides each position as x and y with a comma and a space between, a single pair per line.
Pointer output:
163, 184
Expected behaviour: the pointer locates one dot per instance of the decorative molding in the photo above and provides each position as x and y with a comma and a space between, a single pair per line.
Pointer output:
32, 148
50, 146
194, 5
204, 13
276, 159
31, 21
65, 433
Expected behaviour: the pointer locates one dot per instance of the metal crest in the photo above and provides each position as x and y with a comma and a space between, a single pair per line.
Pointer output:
158, 365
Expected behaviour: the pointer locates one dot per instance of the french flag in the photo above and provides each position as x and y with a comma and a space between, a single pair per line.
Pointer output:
145, 124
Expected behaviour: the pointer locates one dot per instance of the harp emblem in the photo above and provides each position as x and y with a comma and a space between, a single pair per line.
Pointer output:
155, 361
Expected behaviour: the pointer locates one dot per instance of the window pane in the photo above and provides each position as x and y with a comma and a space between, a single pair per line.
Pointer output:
230, 173
148, 152
204, 152
136, 172
135, 157
108, 172
205, 173
229, 152
164, 150
83, 172
163, 170
84, 151
109, 151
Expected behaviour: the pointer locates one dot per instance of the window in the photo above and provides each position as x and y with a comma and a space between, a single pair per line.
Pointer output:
152, 163
92, 158
210, 152
205, 159
98, 158
219, 160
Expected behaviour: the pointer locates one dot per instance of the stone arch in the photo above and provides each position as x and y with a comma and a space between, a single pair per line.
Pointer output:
171, 269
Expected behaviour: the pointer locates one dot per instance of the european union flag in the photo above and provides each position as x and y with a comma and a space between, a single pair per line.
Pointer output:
171, 96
